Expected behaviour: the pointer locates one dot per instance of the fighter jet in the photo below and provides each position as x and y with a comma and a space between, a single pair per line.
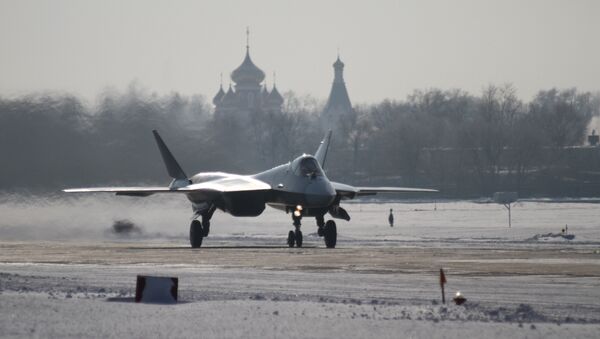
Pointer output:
299, 187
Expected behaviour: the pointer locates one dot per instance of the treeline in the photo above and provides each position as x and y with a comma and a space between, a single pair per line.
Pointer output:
467, 145
475, 145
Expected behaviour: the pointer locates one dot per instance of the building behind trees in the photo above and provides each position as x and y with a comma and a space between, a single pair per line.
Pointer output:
338, 107
249, 92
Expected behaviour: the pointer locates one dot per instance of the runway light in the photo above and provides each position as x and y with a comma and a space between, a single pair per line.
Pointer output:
459, 299
297, 213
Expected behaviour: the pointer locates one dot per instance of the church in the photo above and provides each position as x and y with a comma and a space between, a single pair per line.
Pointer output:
250, 93
338, 104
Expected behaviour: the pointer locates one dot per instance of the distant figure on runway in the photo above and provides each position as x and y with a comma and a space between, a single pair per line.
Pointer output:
391, 218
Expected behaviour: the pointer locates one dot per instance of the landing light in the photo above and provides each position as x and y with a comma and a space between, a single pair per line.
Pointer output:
297, 213
299, 208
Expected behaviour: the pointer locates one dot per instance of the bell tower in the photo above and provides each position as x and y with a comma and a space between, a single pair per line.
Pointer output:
338, 104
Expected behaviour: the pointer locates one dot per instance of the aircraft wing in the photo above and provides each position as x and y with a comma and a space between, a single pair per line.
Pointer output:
351, 192
231, 183
132, 191
206, 190
209, 189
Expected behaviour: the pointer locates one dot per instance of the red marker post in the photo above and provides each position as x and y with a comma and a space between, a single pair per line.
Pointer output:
442, 282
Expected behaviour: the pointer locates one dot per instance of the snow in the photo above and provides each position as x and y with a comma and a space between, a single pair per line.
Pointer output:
553, 237
96, 300
63, 275
168, 217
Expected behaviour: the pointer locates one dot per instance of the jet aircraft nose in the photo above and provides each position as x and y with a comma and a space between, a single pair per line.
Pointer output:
319, 193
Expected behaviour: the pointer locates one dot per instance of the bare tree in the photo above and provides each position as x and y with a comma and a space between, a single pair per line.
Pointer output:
563, 115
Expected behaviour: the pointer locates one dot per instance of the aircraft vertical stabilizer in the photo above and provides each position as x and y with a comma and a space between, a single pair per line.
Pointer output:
173, 167
321, 153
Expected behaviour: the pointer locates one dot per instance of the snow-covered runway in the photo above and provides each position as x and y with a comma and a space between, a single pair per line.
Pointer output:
65, 289
63, 275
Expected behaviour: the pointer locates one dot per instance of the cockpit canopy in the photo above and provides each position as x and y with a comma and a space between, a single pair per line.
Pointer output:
306, 166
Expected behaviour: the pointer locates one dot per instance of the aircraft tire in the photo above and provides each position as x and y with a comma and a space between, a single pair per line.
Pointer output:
298, 238
330, 234
291, 239
196, 234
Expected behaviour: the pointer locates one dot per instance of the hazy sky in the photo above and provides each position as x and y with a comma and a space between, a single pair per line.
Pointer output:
389, 47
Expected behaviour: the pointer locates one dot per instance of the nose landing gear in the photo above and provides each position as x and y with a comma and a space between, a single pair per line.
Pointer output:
295, 237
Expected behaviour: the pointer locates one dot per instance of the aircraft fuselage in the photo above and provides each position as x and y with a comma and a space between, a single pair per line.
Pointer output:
301, 182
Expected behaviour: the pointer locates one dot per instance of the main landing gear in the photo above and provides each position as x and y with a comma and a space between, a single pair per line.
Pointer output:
200, 230
327, 230
196, 234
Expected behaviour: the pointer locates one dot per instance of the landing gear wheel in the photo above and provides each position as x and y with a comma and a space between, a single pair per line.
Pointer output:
291, 239
298, 238
196, 234
330, 234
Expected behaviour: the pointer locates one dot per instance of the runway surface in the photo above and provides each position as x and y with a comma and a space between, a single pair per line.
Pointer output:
67, 289
471, 260
380, 282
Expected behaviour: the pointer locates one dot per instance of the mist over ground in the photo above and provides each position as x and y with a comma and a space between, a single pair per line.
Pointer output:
166, 219
464, 144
